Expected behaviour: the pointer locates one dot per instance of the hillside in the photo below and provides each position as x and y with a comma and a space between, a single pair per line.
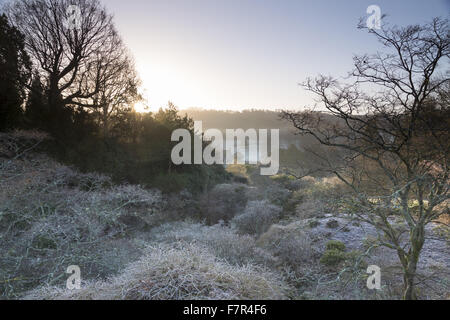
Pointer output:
249, 119
274, 238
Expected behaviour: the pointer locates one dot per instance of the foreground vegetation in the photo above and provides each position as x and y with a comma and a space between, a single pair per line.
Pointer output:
273, 238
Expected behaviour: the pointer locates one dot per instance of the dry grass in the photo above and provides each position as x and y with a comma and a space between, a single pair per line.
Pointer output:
52, 216
178, 272
288, 243
223, 241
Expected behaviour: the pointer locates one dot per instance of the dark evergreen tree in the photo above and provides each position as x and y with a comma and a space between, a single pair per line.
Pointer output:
36, 109
15, 69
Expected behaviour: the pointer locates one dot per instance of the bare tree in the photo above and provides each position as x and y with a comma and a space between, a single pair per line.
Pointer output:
74, 46
118, 93
391, 117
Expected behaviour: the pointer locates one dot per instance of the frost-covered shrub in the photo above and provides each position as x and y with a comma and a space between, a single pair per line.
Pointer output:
223, 202
178, 272
289, 243
48, 223
223, 241
304, 183
284, 180
326, 188
131, 195
309, 208
292, 183
258, 216
317, 197
18, 143
272, 192
276, 194
67, 177
127, 205
180, 206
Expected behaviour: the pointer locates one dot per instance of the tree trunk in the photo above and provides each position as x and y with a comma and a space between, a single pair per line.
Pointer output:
417, 241
105, 123
408, 281
55, 117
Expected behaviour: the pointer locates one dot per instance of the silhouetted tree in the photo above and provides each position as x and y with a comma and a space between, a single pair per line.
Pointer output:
170, 118
157, 131
15, 69
36, 109
118, 92
396, 137
71, 50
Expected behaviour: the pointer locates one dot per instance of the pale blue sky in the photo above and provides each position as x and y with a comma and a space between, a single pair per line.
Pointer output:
249, 53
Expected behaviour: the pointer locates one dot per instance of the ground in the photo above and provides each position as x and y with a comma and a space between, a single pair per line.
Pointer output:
263, 240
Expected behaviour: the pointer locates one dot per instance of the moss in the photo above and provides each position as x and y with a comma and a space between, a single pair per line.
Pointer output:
43, 242
335, 245
353, 258
333, 257
314, 224
282, 179
332, 224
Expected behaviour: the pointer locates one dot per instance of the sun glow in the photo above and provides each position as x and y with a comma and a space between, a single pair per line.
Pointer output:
163, 82
141, 107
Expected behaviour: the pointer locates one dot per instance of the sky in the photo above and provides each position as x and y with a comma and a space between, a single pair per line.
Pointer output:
241, 54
